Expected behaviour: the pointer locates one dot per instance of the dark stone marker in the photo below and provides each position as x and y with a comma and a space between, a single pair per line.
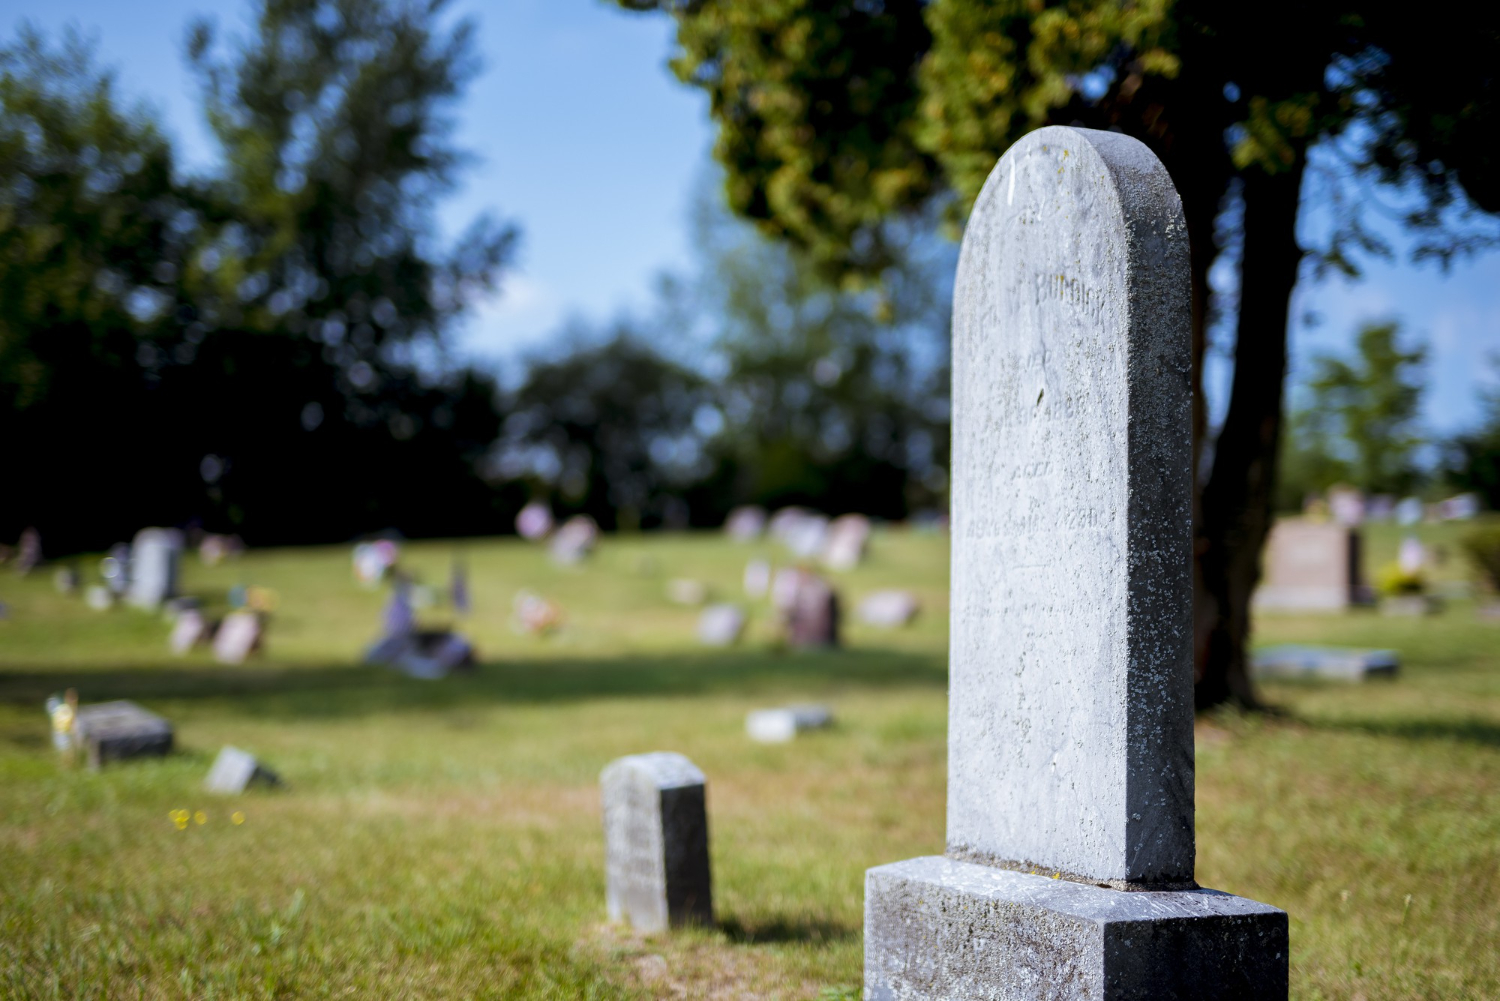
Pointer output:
656, 842
115, 731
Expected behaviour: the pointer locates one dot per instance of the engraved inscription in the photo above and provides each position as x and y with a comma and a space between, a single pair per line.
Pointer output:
1061, 288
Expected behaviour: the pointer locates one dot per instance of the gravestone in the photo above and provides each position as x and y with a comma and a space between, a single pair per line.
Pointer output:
847, 537
233, 771
190, 629
777, 726
656, 841
574, 540
746, 523
534, 521
721, 625
154, 558
888, 609
428, 654
757, 579
237, 637
1070, 848
1309, 566
115, 731
807, 607
1335, 663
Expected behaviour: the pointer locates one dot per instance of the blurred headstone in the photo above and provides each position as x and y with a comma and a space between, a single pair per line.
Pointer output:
374, 560
66, 580
1309, 567
888, 609
399, 619
656, 842
458, 588
1412, 556
535, 615
1347, 506
1337, 663
215, 549
428, 654
802, 531
746, 523
574, 540
28, 551
534, 521
98, 597
115, 731
777, 726
1409, 511
847, 536
115, 568
684, 591
233, 771
238, 636
190, 629
807, 607
757, 579
154, 559
1463, 507
721, 625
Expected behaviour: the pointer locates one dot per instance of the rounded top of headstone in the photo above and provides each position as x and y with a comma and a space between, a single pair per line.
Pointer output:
169, 537
664, 769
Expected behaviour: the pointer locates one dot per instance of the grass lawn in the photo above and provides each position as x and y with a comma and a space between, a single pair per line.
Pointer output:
442, 839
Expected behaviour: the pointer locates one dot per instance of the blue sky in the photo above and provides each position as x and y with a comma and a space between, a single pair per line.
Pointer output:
586, 140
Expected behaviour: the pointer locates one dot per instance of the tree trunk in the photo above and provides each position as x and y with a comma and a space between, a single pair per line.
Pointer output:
1236, 502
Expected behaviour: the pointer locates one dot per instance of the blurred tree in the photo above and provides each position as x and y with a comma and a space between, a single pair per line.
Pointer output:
616, 431
1472, 460
834, 116
94, 234
1360, 422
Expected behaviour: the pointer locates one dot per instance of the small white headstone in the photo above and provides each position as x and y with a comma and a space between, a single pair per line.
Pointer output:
745, 524
534, 522
777, 726
888, 609
656, 842
233, 770
188, 631
575, 539
237, 638
757, 579
721, 625
154, 559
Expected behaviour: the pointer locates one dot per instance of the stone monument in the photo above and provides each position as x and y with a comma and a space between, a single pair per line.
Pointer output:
117, 731
1070, 851
1310, 566
656, 841
155, 556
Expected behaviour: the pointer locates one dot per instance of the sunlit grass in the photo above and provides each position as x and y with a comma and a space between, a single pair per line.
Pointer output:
443, 839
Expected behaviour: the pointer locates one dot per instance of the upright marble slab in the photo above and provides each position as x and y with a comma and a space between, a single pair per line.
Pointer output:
1070, 744
656, 842
155, 556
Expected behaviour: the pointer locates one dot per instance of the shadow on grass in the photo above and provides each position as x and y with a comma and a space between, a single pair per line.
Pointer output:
783, 929
1485, 733
350, 691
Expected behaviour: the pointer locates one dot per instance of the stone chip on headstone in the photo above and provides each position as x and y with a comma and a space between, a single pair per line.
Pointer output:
656, 842
1070, 732
116, 731
233, 771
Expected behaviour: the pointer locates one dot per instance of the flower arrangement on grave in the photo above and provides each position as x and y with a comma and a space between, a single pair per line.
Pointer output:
1397, 581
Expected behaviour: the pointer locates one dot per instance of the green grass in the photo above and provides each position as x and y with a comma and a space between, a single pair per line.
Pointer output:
442, 839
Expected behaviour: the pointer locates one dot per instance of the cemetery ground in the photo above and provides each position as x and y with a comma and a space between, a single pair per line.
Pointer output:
442, 838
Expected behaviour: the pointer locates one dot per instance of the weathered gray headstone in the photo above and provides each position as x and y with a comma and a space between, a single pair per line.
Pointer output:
656, 841
1309, 566
233, 771
1070, 737
115, 731
154, 558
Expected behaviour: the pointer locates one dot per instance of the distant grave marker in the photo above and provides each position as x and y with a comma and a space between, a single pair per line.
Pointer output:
238, 636
777, 726
1309, 566
656, 841
155, 556
117, 731
721, 625
233, 771
1070, 737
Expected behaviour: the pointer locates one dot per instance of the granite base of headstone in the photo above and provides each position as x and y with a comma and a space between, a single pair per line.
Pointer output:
721, 625
888, 609
1069, 865
656, 842
428, 654
117, 731
1332, 663
235, 770
778, 726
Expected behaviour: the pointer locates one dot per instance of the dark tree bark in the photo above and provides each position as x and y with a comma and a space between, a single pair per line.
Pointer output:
1236, 500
